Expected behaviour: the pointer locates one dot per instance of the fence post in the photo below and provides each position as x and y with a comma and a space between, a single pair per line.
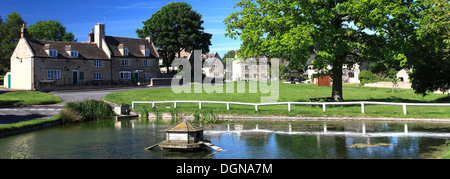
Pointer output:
132, 105
256, 107
362, 108
289, 107
324, 107
200, 105
404, 109
228, 106
153, 105
174, 104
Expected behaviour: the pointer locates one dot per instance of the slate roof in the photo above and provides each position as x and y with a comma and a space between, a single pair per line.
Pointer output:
184, 127
85, 50
133, 45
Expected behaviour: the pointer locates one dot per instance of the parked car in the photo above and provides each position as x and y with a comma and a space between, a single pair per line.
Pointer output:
295, 79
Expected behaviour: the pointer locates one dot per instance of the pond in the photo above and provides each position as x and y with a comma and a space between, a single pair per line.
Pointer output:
240, 140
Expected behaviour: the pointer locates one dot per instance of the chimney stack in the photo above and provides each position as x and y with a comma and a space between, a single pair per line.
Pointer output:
23, 31
99, 34
91, 36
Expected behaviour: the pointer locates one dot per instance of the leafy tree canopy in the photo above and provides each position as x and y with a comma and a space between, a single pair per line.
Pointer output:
50, 30
174, 28
338, 31
9, 37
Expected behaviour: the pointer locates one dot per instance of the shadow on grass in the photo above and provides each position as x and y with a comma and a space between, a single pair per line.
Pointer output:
11, 119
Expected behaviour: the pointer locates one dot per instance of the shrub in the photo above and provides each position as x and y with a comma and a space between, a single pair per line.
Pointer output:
90, 110
69, 116
368, 77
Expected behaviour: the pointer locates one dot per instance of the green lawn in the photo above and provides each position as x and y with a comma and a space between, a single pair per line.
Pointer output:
295, 93
27, 98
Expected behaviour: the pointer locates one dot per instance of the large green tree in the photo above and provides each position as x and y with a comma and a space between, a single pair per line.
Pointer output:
428, 49
50, 30
9, 37
174, 28
340, 32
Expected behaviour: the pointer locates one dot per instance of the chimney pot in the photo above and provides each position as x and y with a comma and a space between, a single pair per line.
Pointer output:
23, 31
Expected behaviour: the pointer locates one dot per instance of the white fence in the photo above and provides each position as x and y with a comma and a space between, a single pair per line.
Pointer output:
289, 104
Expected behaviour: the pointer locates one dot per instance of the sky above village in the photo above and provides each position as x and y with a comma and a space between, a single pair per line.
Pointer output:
123, 17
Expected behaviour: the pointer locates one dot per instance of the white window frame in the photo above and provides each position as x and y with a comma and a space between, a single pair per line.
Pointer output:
53, 74
126, 62
97, 76
125, 75
53, 53
125, 51
147, 62
148, 76
74, 54
97, 64
147, 52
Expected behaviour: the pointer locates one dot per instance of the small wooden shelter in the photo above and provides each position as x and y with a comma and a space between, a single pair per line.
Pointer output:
184, 136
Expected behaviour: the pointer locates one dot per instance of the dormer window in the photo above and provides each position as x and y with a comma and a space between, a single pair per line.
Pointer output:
53, 53
125, 52
74, 54
147, 52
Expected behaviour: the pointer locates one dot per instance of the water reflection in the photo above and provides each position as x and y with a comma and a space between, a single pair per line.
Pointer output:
295, 140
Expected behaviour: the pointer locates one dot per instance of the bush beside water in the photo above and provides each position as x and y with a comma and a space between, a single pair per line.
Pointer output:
89, 110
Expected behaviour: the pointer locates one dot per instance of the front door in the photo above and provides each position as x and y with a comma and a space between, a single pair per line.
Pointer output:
75, 77
136, 77
9, 81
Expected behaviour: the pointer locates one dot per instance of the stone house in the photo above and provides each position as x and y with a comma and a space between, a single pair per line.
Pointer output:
349, 75
213, 66
249, 70
106, 60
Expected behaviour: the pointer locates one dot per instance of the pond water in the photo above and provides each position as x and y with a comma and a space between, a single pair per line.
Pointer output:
295, 140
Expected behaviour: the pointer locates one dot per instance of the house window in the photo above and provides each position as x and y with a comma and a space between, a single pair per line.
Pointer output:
97, 64
125, 62
216, 74
73, 53
97, 76
53, 53
147, 52
216, 66
125, 75
147, 62
147, 76
351, 75
125, 52
53, 74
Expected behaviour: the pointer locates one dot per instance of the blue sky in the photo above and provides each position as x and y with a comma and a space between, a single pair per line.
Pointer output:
124, 17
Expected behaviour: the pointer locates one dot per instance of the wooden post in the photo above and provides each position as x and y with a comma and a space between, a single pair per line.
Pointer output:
200, 105
324, 107
132, 105
256, 107
362, 108
228, 106
174, 104
153, 105
404, 109
289, 107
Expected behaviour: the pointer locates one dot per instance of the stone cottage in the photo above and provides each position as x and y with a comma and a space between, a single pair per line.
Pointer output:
105, 60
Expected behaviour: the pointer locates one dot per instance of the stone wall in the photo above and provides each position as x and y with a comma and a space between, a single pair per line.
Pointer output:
386, 84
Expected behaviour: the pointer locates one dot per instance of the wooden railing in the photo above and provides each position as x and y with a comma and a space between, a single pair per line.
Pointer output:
289, 104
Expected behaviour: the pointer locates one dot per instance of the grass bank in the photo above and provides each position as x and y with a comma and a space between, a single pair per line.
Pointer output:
21, 98
292, 93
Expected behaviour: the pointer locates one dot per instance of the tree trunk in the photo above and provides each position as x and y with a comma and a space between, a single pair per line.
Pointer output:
336, 92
